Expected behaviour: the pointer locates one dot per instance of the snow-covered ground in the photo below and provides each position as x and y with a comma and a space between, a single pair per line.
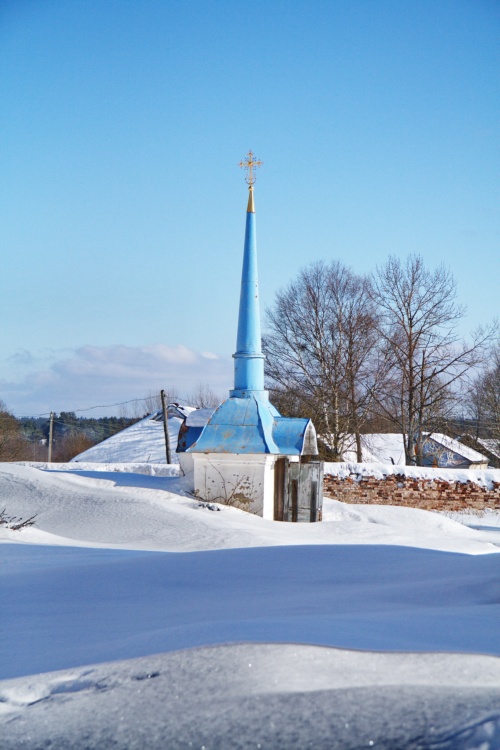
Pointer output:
276, 696
90, 506
100, 578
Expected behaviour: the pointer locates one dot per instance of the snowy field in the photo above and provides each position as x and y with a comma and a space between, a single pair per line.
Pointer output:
124, 571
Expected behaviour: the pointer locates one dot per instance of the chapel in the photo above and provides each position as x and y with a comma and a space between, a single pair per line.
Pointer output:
245, 453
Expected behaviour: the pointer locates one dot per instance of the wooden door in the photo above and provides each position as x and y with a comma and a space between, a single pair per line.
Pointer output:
279, 488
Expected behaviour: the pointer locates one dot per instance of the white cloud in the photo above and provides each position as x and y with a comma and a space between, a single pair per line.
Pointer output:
94, 375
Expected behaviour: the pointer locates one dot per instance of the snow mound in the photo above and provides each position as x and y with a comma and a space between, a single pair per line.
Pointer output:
259, 695
153, 470
65, 606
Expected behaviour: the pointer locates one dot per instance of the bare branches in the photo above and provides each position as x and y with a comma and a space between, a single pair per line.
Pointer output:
342, 349
484, 397
320, 348
13, 523
204, 397
423, 358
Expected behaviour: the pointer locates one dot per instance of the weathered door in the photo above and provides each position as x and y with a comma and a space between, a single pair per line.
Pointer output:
305, 492
279, 488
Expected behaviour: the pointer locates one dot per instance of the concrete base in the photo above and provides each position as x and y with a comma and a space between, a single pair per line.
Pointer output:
244, 481
187, 465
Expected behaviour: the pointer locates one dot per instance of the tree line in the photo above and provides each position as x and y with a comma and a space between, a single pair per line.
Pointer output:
26, 438
380, 353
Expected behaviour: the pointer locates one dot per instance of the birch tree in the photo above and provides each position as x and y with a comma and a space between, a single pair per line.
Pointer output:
484, 402
424, 359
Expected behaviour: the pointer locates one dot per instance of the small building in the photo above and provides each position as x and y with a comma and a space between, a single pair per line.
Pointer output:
245, 453
438, 450
487, 446
446, 452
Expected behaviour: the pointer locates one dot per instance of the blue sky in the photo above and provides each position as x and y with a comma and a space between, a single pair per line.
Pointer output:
122, 207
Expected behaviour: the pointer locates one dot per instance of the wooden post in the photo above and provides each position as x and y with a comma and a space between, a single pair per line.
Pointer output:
51, 430
165, 426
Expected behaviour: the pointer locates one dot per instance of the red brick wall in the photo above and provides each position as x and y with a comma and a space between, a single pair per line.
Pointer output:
429, 494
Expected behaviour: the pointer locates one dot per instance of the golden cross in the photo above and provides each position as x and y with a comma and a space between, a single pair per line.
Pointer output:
248, 163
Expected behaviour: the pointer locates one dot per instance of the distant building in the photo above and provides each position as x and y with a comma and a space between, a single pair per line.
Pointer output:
437, 450
488, 446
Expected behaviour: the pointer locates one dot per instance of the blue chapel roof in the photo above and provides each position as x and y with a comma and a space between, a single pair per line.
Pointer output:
247, 425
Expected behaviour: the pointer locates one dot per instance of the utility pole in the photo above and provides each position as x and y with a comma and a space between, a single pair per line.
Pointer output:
51, 430
165, 425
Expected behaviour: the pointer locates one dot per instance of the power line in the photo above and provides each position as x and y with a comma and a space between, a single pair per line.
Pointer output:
91, 408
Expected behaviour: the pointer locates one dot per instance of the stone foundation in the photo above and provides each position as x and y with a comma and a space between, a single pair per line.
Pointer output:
413, 491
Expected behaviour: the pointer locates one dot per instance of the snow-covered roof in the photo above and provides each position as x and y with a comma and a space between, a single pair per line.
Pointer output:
454, 445
388, 448
173, 410
143, 441
492, 446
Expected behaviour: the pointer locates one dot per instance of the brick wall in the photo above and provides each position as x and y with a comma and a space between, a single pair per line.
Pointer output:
398, 489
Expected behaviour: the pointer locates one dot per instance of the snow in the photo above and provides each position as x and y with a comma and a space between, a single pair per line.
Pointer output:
199, 418
126, 565
145, 512
457, 447
378, 448
142, 442
493, 446
154, 470
388, 448
282, 696
483, 477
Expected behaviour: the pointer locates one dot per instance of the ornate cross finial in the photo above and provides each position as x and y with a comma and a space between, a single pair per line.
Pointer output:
248, 164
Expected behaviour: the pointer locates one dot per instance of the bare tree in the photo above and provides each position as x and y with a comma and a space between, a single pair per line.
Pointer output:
320, 349
203, 397
423, 358
484, 401
151, 402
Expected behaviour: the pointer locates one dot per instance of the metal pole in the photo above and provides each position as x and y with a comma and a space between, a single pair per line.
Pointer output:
51, 430
165, 426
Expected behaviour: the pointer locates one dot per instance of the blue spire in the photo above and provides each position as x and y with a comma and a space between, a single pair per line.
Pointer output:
247, 422
248, 358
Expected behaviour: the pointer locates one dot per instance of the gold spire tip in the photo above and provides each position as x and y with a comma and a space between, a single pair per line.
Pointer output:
251, 204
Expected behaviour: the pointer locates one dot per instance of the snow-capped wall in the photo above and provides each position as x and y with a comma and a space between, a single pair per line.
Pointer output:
418, 487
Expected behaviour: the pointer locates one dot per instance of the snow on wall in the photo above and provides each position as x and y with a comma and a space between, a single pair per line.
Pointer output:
417, 487
483, 477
